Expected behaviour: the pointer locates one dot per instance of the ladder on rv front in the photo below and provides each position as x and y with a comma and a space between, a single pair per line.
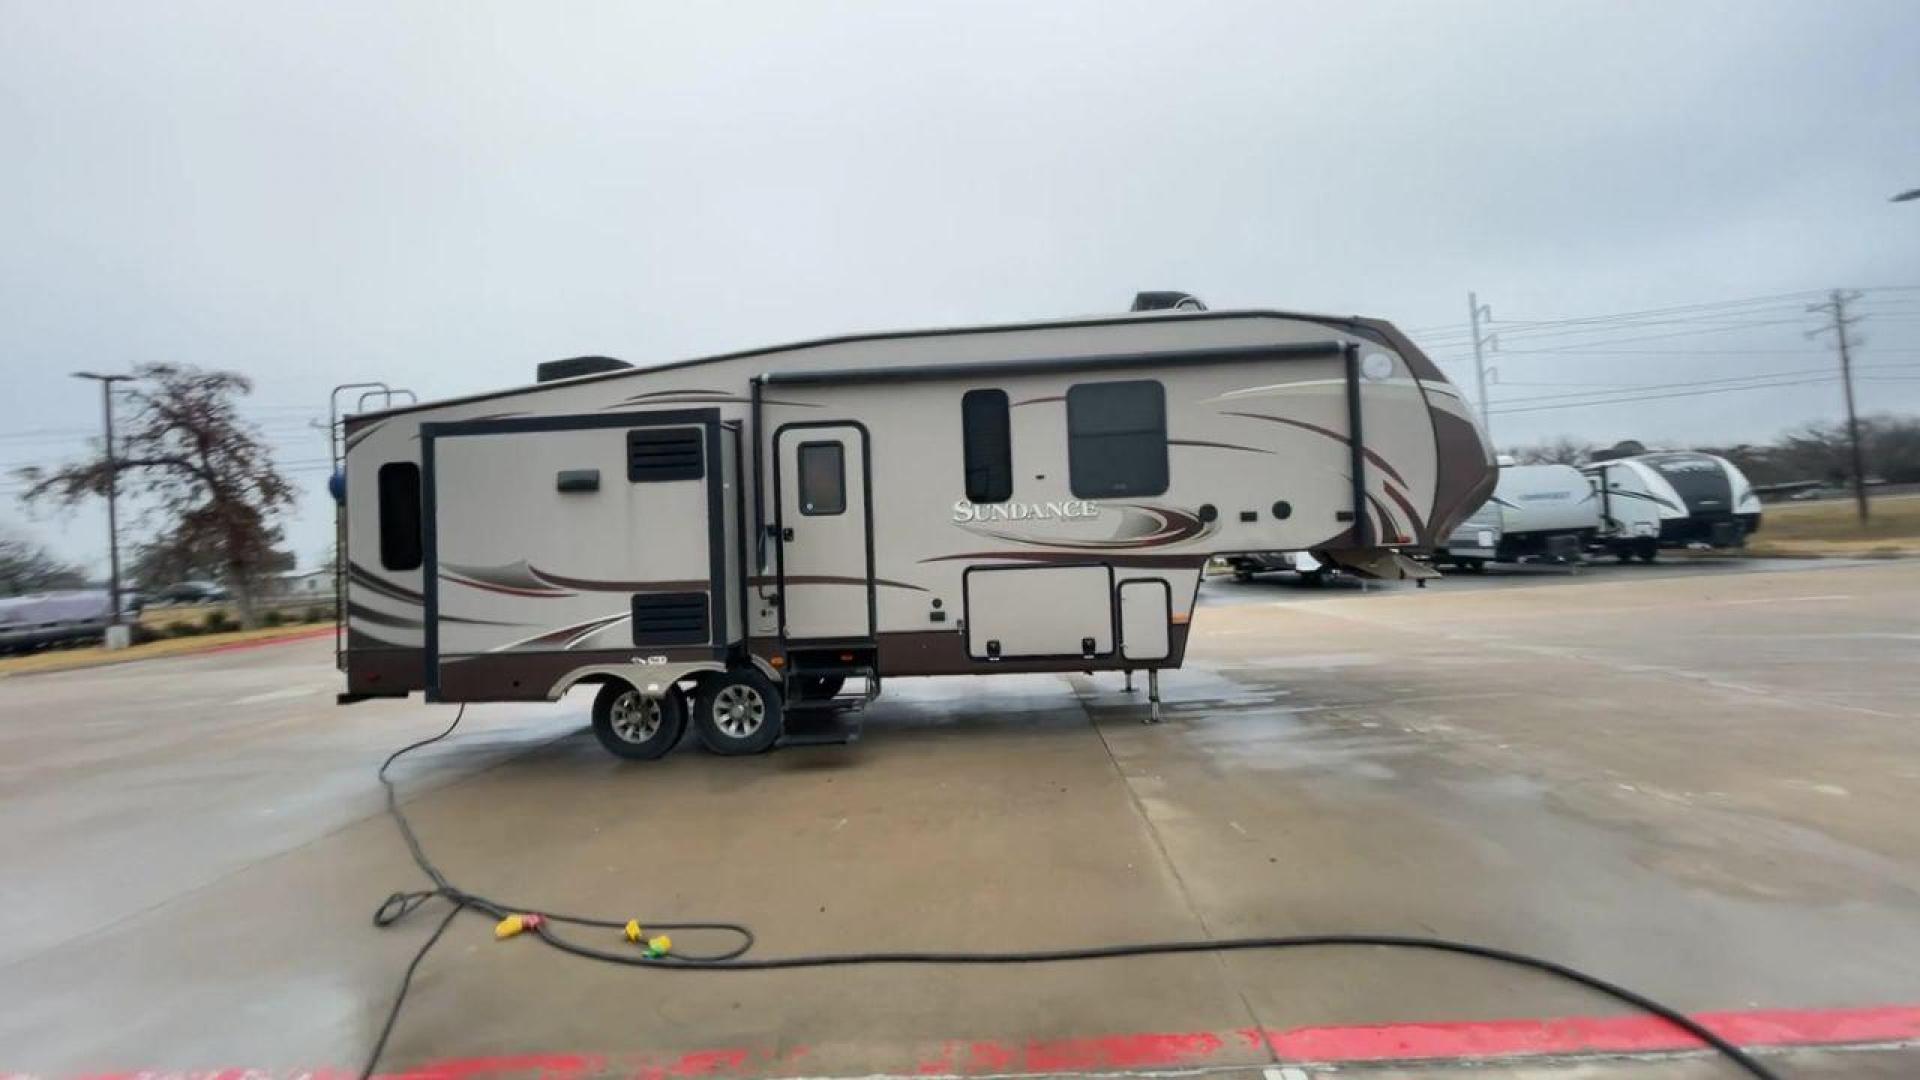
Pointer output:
387, 397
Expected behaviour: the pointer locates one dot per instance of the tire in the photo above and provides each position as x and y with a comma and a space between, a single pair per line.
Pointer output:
1647, 552
1243, 576
1623, 555
631, 725
1474, 566
737, 712
818, 687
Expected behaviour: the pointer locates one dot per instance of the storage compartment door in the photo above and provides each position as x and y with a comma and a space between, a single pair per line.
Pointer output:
1146, 612
1037, 612
568, 541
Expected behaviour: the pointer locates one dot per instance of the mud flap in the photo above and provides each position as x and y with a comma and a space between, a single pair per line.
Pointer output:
1383, 564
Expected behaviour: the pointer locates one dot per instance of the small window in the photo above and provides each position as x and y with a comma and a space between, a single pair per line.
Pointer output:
987, 434
400, 515
1117, 439
823, 479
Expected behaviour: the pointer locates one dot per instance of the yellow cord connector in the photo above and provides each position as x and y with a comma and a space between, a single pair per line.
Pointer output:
634, 933
659, 946
512, 925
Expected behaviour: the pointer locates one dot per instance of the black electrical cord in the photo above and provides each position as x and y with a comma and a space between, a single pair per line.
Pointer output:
400, 904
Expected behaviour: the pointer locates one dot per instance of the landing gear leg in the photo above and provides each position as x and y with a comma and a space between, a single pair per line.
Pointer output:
1129, 686
1153, 695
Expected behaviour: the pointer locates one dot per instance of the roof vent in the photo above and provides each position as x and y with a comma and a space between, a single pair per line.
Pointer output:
1167, 301
576, 366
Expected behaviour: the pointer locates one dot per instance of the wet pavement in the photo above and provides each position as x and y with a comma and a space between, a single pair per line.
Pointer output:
1697, 780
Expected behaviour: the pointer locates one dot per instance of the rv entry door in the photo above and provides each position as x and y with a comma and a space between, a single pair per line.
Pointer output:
825, 529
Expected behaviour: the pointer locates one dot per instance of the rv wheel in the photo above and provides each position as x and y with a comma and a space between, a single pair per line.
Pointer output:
632, 725
737, 712
1648, 551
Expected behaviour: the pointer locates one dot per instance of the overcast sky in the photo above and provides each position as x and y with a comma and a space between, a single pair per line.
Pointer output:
442, 195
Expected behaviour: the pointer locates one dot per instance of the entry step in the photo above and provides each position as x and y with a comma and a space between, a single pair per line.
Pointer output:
820, 727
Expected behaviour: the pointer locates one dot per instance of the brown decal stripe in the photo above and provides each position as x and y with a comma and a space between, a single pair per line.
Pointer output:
360, 575
564, 637
508, 590
832, 579
380, 618
1217, 445
527, 676
1466, 478
1385, 466
705, 399
599, 585
1044, 558
354, 439
476, 419
1387, 522
676, 393
1412, 515
1038, 400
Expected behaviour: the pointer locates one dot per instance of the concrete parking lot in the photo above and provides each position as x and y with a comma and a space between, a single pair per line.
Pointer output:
1699, 781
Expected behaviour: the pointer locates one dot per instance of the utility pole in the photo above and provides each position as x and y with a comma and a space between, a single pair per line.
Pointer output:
113, 486
1475, 312
1836, 306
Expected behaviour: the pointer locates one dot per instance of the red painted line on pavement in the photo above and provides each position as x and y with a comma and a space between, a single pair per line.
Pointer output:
1593, 1034
1455, 1040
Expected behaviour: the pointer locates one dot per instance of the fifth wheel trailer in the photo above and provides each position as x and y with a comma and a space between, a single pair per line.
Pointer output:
1672, 499
733, 536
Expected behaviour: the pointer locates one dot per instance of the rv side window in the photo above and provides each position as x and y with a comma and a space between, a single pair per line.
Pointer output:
400, 515
987, 435
823, 479
1117, 439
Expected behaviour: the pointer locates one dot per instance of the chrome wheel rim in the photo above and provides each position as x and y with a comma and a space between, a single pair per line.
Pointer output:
738, 711
635, 718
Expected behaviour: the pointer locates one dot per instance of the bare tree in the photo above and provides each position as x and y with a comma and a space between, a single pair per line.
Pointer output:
1623, 448
1565, 450
27, 567
206, 476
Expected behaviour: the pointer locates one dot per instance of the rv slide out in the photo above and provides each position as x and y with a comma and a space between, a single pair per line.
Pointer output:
1674, 499
714, 543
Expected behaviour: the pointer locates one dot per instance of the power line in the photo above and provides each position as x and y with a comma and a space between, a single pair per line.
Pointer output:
1673, 394
1668, 386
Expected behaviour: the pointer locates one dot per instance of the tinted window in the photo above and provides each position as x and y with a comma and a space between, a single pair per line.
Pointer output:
823, 478
1117, 439
400, 515
988, 435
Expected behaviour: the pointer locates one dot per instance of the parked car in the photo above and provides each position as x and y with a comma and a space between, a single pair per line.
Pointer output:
52, 618
191, 592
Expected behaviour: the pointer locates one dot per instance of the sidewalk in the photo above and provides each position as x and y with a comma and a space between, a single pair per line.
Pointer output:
73, 659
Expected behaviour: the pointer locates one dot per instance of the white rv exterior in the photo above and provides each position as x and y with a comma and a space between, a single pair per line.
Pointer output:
757, 527
1537, 511
1674, 499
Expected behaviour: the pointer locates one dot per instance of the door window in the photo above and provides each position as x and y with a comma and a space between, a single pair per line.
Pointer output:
823, 478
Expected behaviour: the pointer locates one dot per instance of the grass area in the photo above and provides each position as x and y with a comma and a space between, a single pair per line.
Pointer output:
95, 656
1833, 527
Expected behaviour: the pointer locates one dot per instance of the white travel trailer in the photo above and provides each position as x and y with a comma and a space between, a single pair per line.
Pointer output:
1650, 501
1536, 512
718, 540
